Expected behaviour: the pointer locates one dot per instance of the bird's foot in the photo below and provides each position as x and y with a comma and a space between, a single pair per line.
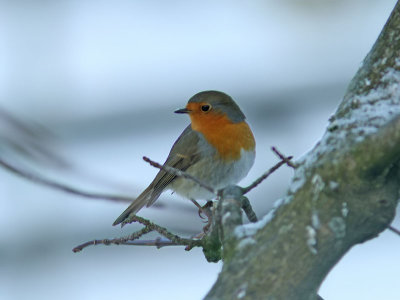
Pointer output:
205, 211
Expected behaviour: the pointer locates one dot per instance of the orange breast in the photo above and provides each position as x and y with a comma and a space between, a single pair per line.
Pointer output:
227, 137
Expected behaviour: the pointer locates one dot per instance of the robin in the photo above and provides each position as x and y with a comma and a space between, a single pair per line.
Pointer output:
218, 148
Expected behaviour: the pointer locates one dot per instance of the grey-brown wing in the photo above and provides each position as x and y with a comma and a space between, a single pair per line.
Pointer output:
184, 153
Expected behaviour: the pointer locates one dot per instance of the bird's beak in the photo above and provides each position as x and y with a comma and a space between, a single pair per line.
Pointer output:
182, 111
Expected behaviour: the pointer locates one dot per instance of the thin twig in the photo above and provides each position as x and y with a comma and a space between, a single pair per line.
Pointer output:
159, 242
395, 230
179, 173
263, 177
177, 240
169, 239
284, 158
59, 186
115, 241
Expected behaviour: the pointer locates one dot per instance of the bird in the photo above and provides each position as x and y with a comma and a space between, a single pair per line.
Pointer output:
217, 148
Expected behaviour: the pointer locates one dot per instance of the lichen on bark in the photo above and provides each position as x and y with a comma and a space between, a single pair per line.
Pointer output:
344, 191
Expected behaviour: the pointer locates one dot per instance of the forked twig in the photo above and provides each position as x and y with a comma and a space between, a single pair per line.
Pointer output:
169, 239
263, 177
177, 240
284, 160
116, 241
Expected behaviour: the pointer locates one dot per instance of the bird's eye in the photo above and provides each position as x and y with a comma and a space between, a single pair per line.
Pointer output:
205, 107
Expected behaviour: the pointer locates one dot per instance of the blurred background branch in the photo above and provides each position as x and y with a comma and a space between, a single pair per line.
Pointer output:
29, 140
59, 186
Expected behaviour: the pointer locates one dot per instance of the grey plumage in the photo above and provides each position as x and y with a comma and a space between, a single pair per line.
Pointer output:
218, 100
181, 157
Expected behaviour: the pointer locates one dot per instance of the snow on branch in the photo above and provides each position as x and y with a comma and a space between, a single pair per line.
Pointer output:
344, 191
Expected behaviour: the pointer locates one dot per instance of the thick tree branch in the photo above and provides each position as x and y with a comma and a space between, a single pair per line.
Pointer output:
344, 191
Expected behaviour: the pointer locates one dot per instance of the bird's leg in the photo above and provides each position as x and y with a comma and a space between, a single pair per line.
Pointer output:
205, 210
199, 207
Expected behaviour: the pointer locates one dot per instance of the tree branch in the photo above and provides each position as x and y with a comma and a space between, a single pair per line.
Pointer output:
161, 230
394, 230
344, 191
116, 241
219, 233
132, 239
285, 160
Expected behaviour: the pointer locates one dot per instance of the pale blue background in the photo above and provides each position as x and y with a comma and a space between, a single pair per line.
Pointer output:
105, 77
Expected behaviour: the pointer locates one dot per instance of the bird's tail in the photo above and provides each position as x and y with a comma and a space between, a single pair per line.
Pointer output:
148, 196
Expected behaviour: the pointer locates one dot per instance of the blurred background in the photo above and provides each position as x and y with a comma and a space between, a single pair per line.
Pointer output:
89, 87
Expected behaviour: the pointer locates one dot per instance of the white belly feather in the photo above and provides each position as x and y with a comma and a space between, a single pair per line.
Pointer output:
214, 173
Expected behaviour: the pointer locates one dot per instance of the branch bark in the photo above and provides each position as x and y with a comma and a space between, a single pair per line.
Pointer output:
210, 240
344, 192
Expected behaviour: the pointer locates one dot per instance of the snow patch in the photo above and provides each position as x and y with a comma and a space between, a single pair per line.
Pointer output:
367, 113
251, 229
285, 228
338, 227
333, 185
299, 179
277, 203
360, 117
315, 220
241, 293
287, 199
345, 210
225, 217
318, 186
245, 242
312, 239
